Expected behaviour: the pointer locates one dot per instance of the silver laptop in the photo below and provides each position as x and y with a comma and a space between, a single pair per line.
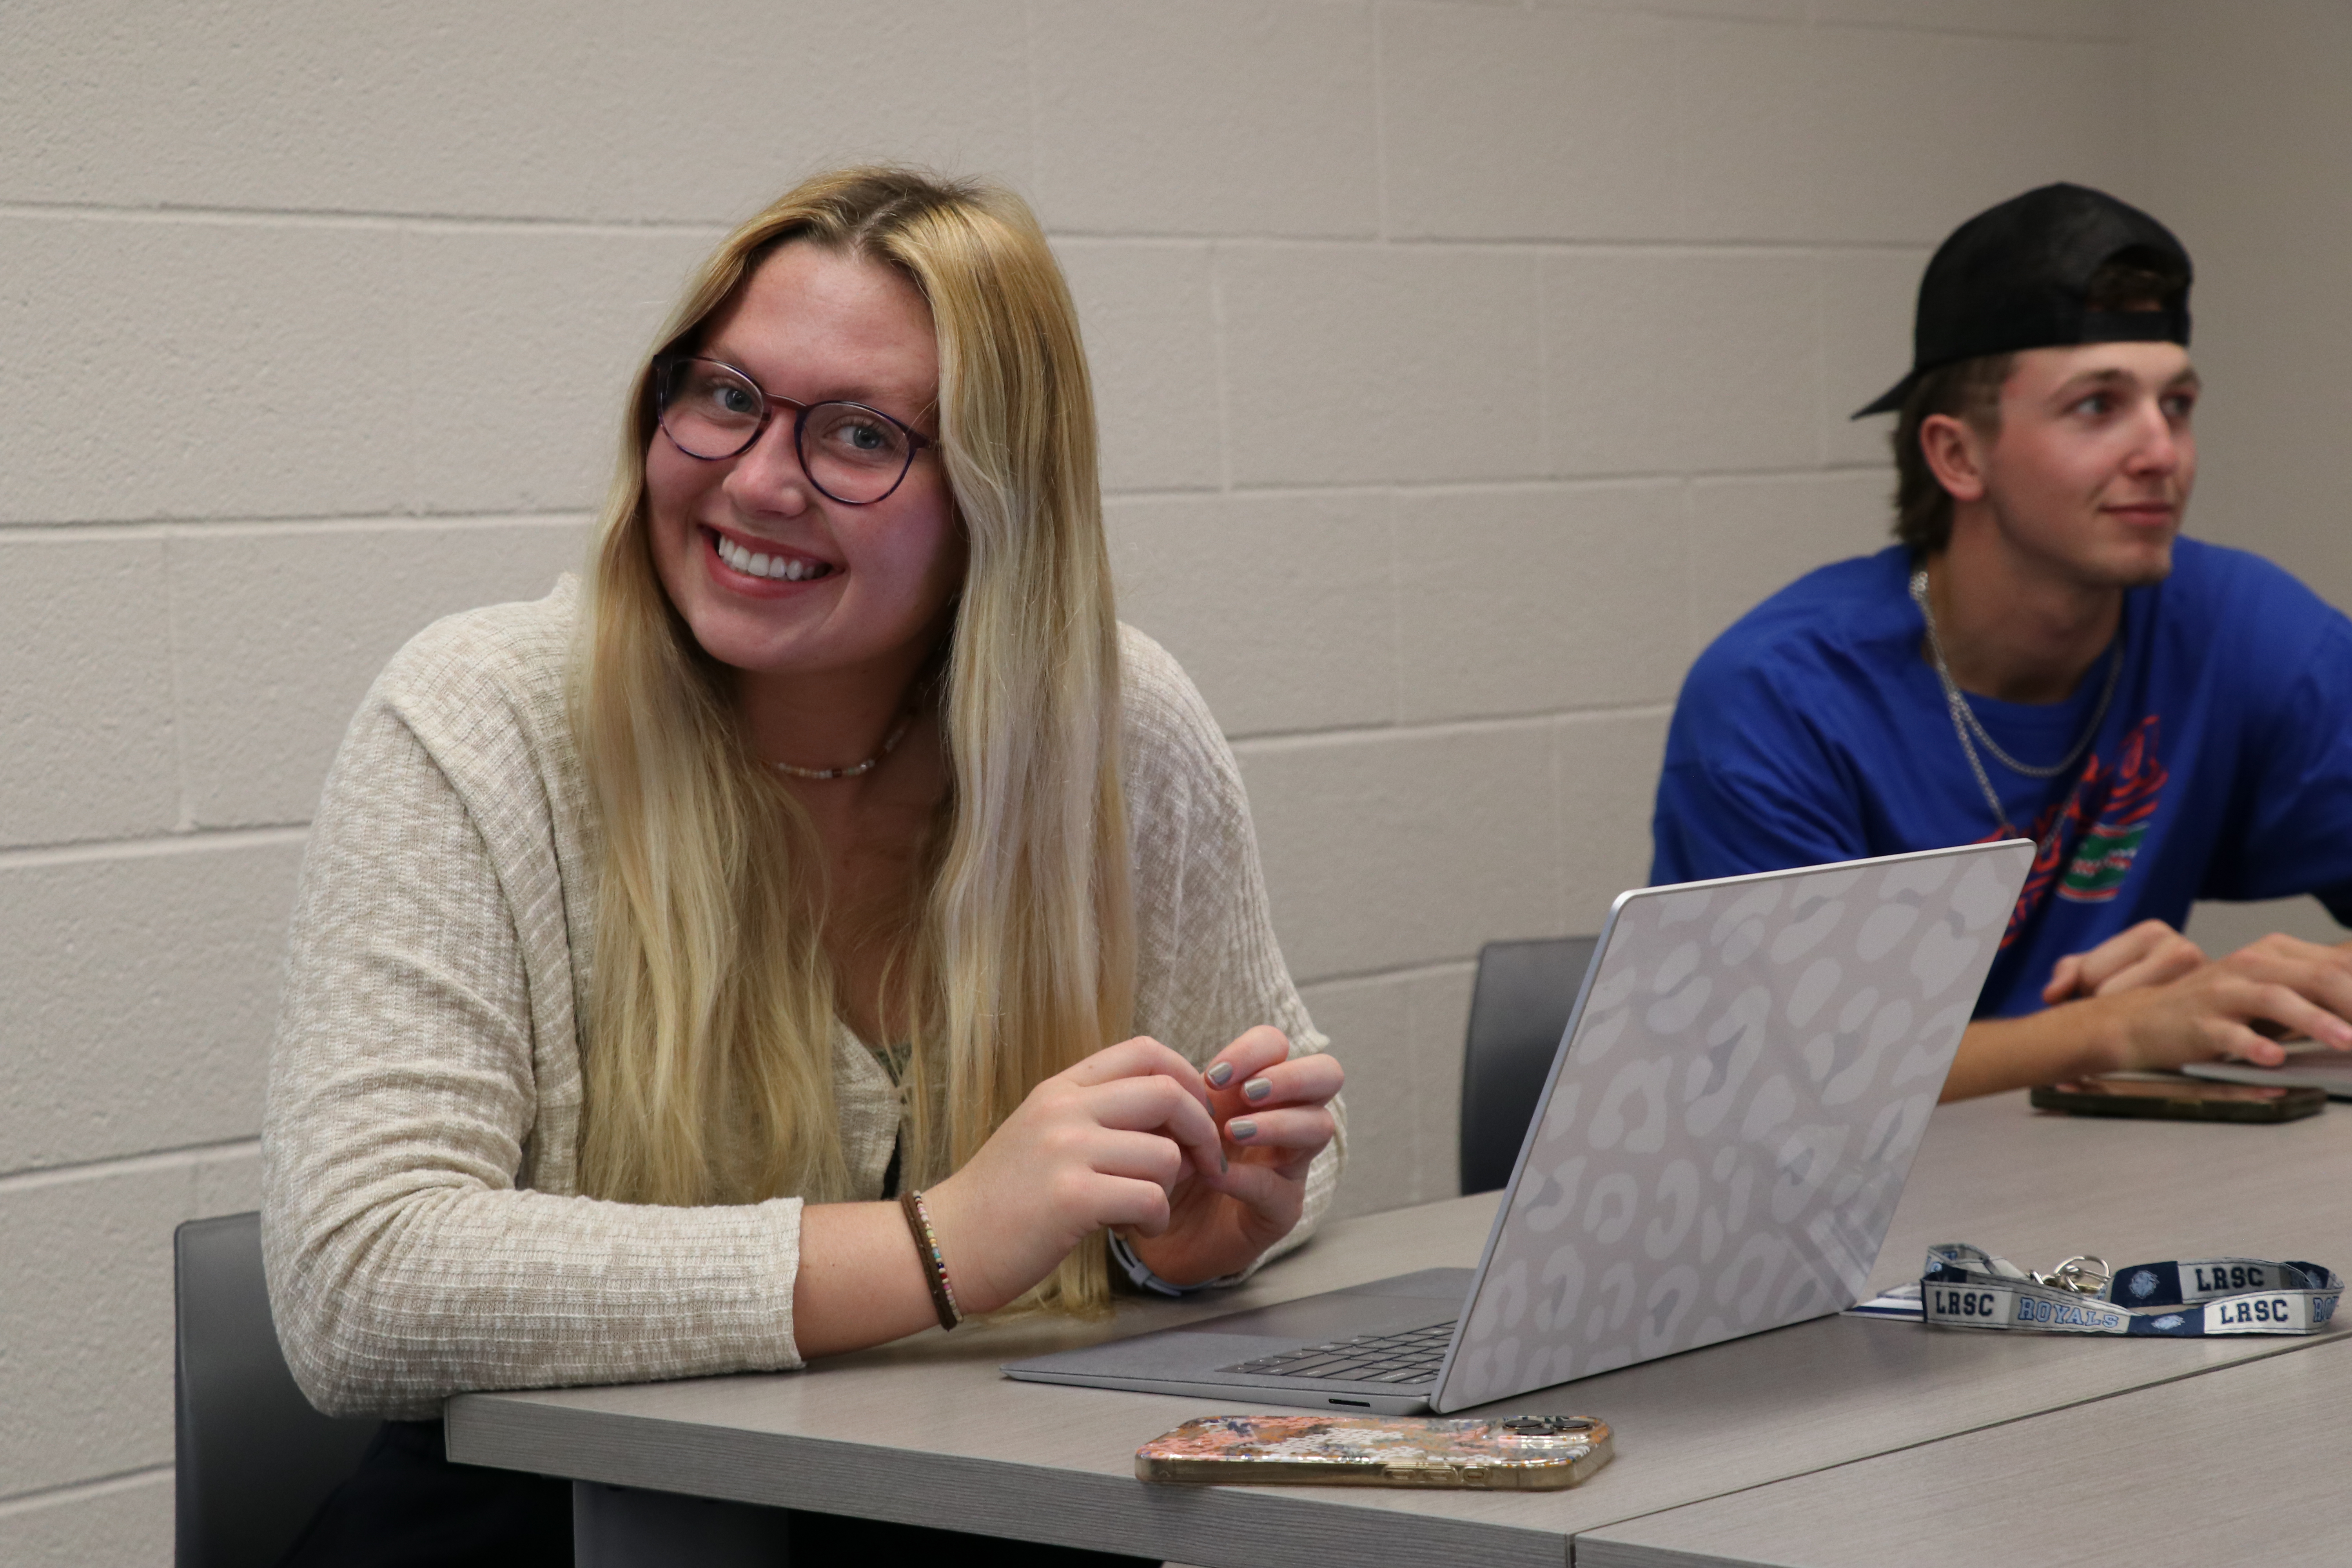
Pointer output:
1717, 1151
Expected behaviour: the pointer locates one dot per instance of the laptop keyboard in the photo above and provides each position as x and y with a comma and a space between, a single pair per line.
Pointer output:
1410, 1356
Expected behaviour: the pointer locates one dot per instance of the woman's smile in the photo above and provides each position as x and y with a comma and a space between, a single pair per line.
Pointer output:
762, 566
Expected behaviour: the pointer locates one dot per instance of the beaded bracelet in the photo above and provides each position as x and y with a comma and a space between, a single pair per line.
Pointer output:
935, 1265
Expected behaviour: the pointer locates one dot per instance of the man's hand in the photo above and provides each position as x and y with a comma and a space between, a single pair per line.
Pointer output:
2236, 1006
2149, 953
2128, 1002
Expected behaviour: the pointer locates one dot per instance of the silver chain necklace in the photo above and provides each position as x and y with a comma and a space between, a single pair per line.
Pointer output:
889, 745
1972, 731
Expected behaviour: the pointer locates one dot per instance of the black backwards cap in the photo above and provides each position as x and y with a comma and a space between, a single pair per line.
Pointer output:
2016, 277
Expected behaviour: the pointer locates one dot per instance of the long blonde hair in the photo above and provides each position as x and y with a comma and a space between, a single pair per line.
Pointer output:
711, 1006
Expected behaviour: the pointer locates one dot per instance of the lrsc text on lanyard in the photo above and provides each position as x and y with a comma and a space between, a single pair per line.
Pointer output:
1967, 1288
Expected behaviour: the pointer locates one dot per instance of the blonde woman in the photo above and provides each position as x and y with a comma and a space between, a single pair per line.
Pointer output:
823, 922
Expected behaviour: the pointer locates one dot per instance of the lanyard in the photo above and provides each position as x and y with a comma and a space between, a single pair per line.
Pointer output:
1967, 1288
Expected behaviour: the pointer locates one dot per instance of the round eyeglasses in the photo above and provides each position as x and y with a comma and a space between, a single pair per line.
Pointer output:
851, 452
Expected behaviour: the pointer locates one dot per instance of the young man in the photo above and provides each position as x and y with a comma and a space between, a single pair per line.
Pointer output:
2042, 655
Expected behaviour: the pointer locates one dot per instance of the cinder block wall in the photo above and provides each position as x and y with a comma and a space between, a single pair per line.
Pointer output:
1464, 367
2246, 137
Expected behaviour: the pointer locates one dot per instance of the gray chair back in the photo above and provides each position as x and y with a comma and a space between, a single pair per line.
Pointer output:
254, 1460
1519, 1010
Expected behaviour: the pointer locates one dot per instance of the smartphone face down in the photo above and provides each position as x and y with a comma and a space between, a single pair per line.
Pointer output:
1527, 1453
2181, 1099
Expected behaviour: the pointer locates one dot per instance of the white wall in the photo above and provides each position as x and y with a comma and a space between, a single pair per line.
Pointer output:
2248, 131
2249, 125
1463, 368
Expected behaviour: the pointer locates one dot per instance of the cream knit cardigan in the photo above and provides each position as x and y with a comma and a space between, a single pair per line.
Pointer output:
421, 1219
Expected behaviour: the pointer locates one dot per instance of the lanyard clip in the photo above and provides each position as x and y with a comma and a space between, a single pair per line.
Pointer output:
2083, 1276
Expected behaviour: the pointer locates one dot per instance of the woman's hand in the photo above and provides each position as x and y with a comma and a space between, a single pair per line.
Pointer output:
1276, 1112
1104, 1143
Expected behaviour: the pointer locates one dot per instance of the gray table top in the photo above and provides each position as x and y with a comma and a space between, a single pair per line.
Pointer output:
2245, 1465
926, 1431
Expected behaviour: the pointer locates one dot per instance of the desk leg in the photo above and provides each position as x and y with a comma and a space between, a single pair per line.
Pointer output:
628, 1527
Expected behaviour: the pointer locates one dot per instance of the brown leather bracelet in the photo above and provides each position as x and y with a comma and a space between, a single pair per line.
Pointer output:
935, 1265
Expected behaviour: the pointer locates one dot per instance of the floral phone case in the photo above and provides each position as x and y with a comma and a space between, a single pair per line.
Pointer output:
1525, 1453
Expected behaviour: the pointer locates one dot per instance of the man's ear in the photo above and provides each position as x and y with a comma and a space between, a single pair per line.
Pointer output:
1955, 453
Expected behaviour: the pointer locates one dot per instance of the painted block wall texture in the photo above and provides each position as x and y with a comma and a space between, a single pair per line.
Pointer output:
1463, 368
2248, 166
2267, 212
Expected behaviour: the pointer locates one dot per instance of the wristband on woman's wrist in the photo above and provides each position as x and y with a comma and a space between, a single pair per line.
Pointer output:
935, 1265
1139, 1275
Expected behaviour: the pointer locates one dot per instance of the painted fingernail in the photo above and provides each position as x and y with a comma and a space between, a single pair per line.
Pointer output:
1257, 1088
1221, 1075
1223, 1165
1242, 1130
